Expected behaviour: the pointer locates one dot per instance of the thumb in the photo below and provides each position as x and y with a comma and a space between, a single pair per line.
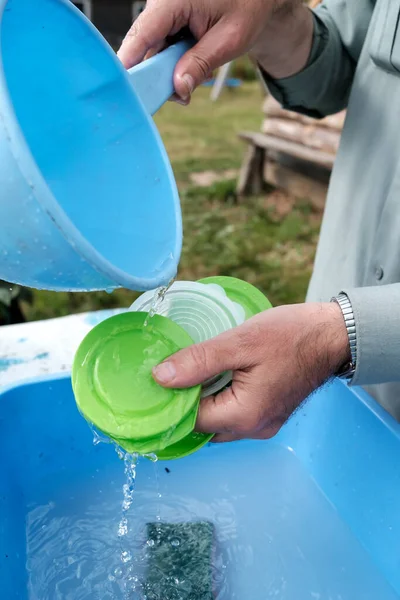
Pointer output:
198, 363
212, 51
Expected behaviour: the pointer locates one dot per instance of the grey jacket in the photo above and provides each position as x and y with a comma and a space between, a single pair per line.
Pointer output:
355, 62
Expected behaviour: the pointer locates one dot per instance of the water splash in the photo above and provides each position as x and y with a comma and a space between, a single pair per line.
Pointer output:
98, 438
129, 576
157, 301
158, 490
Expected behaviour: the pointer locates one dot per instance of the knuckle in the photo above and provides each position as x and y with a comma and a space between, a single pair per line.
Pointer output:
249, 340
138, 31
274, 429
248, 424
199, 356
248, 343
269, 432
235, 33
203, 65
134, 29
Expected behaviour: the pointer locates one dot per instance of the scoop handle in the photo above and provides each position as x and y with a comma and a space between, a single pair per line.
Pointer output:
153, 78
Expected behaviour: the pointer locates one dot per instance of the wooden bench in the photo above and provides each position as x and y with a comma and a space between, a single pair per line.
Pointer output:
292, 151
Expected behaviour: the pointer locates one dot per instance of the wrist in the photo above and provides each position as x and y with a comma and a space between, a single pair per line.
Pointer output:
284, 47
340, 354
325, 348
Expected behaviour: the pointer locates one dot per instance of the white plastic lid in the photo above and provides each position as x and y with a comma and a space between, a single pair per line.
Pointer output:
204, 311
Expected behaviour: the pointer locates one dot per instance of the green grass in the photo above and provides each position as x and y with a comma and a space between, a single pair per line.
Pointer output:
268, 241
203, 135
251, 241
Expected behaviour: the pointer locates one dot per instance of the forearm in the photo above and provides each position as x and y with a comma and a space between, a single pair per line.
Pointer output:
285, 47
323, 61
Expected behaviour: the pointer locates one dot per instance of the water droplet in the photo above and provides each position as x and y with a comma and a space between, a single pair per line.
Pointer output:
118, 572
153, 457
120, 453
123, 527
150, 543
157, 301
126, 556
175, 542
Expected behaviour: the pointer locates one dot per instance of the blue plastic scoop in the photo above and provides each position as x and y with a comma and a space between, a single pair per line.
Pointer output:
88, 200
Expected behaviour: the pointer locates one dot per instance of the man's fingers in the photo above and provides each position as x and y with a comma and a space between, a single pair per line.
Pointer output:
234, 414
150, 30
198, 363
155, 50
226, 438
161, 20
175, 98
265, 434
219, 414
217, 47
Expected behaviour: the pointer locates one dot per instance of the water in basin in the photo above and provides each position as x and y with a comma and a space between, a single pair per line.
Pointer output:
276, 534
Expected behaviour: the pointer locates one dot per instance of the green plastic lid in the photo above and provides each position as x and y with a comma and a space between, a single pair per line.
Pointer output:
188, 445
115, 390
178, 442
252, 300
180, 449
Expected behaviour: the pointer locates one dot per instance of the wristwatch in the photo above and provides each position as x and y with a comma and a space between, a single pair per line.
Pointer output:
347, 370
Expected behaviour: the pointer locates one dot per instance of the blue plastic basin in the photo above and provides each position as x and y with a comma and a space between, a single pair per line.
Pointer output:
313, 514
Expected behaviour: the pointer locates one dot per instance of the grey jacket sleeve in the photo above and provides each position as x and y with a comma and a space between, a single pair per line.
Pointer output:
323, 87
377, 320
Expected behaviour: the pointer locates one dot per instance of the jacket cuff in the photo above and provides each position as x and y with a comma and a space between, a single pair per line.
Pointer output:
377, 319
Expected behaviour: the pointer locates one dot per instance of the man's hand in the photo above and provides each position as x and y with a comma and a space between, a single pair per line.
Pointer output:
278, 359
279, 31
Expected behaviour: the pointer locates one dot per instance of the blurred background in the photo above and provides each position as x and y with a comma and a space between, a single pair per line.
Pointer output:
248, 211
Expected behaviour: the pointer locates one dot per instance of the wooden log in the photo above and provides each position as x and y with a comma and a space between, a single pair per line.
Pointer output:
308, 169
250, 179
307, 135
268, 142
272, 109
295, 183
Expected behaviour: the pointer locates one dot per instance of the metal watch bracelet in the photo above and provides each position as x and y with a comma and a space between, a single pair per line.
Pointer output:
348, 370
